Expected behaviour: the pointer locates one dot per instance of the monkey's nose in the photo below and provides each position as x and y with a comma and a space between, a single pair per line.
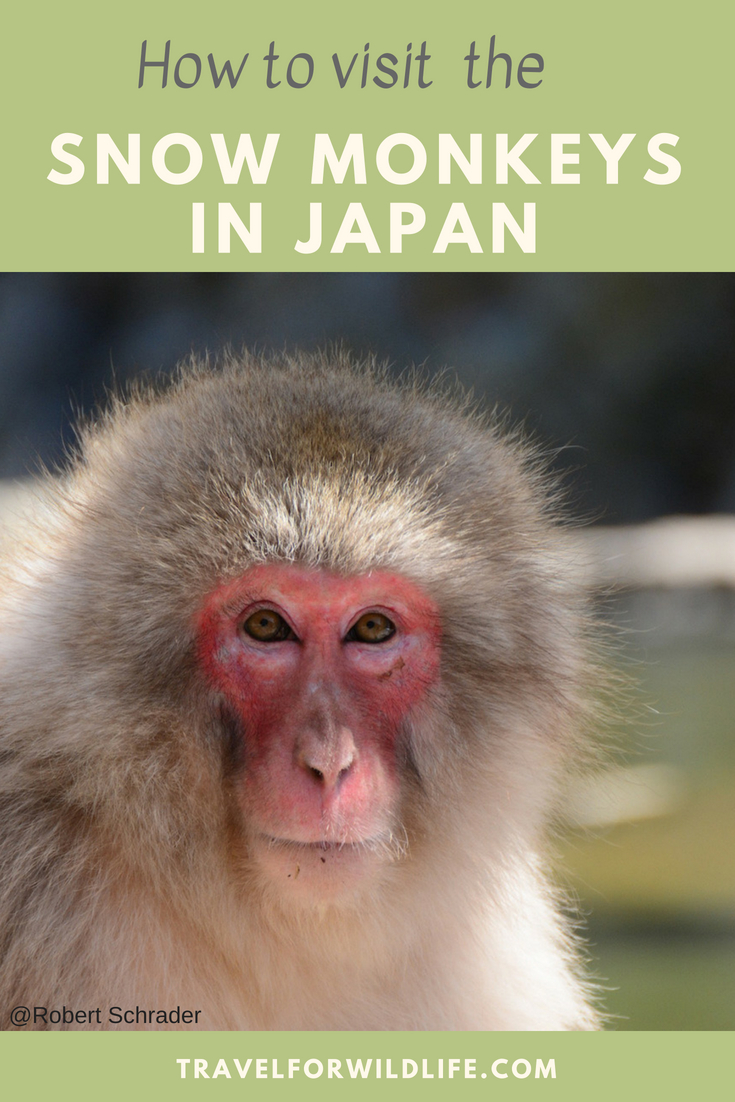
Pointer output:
327, 761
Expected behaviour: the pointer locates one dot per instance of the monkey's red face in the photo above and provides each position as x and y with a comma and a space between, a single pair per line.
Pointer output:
322, 672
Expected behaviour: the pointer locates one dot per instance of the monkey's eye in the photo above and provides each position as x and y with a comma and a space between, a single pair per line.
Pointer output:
372, 627
267, 626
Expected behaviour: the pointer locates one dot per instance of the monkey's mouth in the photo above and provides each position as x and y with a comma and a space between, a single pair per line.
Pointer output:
323, 845
342, 859
325, 871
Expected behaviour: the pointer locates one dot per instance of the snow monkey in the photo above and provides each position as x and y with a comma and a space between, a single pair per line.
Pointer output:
292, 671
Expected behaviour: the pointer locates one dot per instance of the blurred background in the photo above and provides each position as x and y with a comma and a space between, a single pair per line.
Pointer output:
630, 381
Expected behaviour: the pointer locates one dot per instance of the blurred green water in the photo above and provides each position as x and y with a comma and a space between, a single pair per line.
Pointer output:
659, 892
669, 983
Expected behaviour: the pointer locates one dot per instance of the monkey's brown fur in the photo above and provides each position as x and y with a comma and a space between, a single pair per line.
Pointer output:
124, 873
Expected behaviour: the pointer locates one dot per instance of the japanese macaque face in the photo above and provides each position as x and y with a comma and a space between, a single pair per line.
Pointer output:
320, 673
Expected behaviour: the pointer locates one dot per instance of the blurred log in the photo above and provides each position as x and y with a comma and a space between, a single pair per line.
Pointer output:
672, 552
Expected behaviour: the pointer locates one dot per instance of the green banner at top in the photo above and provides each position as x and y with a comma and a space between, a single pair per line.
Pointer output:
327, 136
